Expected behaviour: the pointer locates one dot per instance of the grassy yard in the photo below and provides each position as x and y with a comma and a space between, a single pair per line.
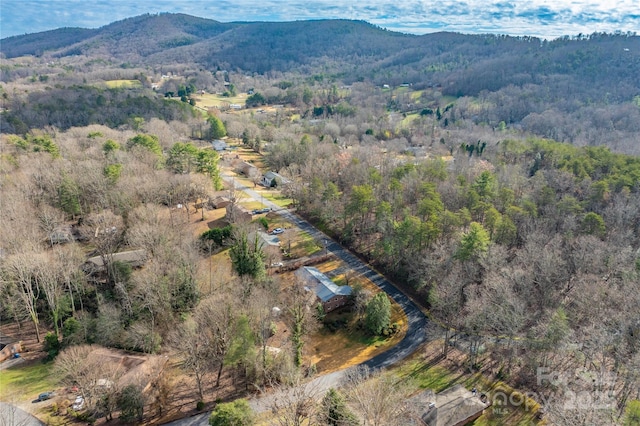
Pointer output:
446, 100
26, 382
351, 344
303, 244
332, 351
275, 197
250, 156
123, 84
416, 94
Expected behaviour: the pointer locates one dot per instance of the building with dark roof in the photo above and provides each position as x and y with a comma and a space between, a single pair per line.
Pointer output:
330, 294
134, 258
455, 406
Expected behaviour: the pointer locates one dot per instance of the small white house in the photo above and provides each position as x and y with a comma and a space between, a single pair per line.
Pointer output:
271, 179
219, 145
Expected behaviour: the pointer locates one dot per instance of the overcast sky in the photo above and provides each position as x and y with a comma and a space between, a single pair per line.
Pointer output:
541, 18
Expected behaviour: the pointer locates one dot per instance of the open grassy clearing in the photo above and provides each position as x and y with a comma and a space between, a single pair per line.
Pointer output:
242, 180
446, 100
123, 84
302, 244
406, 121
251, 204
211, 100
416, 94
250, 156
400, 89
215, 214
26, 381
275, 197
332, 351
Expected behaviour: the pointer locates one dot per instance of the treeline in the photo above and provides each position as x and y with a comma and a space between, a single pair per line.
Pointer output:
598, 65
77, 106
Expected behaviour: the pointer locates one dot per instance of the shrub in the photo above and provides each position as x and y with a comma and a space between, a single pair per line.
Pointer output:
131, 404
51, 345
235, 413
218, 235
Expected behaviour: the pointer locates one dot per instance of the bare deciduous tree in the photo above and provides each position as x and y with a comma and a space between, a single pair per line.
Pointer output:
105, 230
295, 403
378, 398
21, 270
96, 375
216, 317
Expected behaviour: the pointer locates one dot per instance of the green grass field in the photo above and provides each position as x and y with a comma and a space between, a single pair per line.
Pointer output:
406, 121
416, 95
123, 84
25, 383
209, 100
304, 245
277, 198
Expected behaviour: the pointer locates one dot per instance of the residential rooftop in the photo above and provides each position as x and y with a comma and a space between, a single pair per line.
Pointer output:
326, 289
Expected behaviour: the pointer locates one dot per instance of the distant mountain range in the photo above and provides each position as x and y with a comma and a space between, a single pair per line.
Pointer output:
515, 77
355, 50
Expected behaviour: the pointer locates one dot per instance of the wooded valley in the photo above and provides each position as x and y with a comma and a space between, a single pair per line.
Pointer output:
495, 179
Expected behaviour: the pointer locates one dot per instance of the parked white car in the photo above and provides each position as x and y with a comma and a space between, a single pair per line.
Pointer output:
78, 404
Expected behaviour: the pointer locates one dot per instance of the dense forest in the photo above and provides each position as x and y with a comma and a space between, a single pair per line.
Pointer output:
494, 178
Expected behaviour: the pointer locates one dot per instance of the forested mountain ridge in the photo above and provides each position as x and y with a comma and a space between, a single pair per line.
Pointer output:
363, 50
38, 43
140, 35
580, 89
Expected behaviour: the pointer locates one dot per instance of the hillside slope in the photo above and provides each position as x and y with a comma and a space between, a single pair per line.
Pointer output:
601, 64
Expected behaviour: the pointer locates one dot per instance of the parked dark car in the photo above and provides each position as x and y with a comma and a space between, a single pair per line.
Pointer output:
45, 395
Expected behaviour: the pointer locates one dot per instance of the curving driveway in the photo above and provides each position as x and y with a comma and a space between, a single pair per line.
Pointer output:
416, 320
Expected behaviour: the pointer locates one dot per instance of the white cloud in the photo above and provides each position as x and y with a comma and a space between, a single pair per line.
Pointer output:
543, 18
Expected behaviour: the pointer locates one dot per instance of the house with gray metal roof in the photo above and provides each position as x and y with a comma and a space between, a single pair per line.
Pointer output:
219, 145
330, 294
135, 258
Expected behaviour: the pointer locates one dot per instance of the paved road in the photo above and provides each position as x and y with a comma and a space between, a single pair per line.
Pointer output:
417, 321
